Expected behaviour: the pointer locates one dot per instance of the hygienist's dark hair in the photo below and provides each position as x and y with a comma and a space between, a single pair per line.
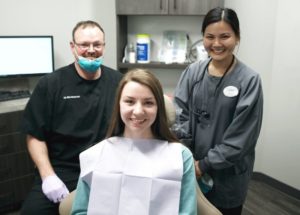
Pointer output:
160, 127
222, 14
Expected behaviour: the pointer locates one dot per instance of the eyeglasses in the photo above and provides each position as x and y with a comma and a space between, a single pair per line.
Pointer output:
87, 46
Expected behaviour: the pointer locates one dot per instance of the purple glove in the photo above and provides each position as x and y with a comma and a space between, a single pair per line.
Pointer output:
54, 188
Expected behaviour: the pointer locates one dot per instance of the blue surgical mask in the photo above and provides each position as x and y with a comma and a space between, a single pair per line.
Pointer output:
90, 65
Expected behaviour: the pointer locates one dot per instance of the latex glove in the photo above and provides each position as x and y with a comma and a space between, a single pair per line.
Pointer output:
54, 188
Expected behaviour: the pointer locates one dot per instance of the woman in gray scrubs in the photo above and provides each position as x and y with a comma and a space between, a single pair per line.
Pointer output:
219, 107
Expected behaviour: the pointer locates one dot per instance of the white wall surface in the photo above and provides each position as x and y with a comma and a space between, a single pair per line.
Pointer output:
270, 44
57, 18
270, 33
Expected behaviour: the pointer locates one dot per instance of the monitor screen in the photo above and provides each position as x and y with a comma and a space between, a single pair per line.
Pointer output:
26, 55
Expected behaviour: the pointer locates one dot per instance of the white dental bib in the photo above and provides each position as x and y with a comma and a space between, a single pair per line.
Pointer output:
133, 177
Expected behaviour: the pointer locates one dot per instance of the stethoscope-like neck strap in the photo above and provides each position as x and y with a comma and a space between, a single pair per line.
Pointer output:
226, 71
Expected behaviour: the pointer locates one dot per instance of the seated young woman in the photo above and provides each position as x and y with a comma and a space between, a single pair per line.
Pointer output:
141, 168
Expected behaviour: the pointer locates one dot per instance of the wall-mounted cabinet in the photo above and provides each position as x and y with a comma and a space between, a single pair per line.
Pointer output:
166, 7
129, 10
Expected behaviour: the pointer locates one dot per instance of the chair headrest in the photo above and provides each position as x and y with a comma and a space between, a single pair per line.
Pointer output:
170, 109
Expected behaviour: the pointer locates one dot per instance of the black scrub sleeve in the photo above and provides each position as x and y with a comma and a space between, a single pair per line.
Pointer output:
37, 115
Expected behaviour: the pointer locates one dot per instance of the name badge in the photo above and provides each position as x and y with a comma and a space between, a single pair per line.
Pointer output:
231, 91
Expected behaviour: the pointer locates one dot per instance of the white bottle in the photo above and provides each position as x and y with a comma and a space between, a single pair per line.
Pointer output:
131, 53
143, 48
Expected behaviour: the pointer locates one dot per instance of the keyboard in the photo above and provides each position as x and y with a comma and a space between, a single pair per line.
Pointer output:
11, 95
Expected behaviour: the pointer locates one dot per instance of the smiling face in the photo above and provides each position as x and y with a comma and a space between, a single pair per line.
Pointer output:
219, 41
138, 110
88, 42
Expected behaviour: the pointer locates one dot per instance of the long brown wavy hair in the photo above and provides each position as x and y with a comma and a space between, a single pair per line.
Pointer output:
159, 128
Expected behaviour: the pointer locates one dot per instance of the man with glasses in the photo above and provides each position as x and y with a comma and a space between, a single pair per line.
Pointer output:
67, 113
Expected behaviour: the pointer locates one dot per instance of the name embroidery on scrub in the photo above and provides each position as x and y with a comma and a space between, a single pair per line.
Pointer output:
231, 91
72, 97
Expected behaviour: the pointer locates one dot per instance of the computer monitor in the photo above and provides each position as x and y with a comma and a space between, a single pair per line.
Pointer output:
26, 56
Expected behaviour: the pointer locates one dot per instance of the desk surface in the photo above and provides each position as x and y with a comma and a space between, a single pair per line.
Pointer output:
13, 105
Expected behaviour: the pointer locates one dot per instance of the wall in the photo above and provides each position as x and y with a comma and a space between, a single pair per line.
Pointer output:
270, 44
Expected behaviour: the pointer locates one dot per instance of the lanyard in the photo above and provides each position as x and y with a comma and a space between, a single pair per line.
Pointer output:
202, 113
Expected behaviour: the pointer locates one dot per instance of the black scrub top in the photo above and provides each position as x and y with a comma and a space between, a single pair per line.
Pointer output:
70, 113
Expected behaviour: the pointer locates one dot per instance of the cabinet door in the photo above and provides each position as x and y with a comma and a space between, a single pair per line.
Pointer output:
13, 192
12, 143
141, 7
193, 7
9, 122
15, 165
